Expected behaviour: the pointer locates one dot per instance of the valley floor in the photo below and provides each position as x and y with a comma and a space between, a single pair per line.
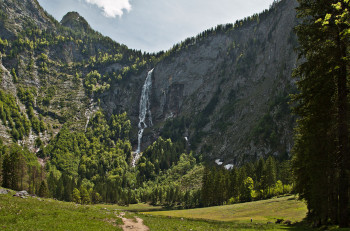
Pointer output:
34, 213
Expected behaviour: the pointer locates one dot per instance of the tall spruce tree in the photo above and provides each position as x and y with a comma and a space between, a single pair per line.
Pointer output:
321, 150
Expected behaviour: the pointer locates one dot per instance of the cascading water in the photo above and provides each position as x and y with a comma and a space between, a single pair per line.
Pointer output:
144, 111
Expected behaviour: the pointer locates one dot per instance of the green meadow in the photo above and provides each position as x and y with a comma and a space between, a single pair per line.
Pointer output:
287, 208
48, 214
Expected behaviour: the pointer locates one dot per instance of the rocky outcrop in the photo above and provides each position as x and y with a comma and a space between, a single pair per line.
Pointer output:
13, 12
74, 21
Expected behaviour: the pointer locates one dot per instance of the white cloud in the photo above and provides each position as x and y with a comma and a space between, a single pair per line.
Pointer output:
112, 8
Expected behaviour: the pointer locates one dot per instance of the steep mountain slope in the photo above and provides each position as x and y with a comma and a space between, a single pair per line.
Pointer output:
53, 70
226, 90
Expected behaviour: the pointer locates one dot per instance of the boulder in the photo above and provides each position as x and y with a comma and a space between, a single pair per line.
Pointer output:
4, 191
22, 194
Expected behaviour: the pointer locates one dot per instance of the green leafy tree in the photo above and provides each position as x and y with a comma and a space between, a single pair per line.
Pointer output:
248, 186
14, 75
85, 196
76, 196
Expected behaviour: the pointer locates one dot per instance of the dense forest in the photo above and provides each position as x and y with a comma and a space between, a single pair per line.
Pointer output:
94, 166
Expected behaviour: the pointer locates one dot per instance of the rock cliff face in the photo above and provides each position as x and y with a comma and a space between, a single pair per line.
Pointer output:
231, 88
225, 91
14, 15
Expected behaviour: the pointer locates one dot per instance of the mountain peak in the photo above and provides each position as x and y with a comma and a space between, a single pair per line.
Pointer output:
75, 21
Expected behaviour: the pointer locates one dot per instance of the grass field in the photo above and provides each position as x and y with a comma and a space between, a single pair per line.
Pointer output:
232, 217
156, 223
141, 207
287, 208
48, 214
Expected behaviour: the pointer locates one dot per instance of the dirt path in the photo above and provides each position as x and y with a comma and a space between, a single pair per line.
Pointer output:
130, 224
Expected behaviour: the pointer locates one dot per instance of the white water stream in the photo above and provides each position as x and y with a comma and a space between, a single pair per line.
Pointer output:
144, 112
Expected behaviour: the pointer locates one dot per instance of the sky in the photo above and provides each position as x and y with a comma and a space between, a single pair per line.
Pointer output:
155, 25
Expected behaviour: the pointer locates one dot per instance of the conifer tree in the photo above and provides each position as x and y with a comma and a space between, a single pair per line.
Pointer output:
43, 190
321, 152
270, 173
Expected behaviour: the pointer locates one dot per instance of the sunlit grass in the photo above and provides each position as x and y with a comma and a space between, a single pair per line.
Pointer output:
165, 223
260, 211
48, 214
141, 207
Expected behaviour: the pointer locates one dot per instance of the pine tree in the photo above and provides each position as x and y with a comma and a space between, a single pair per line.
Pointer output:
43, 190
11, 173
6, 171
260, 171
51, 182
206, 186
321, 150
270, 172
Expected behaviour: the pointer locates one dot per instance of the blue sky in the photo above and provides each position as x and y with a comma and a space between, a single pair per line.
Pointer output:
154, 25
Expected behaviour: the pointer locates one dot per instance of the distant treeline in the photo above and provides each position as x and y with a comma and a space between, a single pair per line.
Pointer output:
253, 181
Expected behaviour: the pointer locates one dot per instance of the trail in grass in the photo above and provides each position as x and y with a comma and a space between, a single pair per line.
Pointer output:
131, 224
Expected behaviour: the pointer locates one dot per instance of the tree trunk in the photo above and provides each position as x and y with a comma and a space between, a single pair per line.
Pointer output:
343, 138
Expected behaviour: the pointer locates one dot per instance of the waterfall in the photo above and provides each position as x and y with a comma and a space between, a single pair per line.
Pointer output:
145, 110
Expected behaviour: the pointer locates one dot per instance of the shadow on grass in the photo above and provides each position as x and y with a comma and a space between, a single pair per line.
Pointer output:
303, 225
176, 223
297, 226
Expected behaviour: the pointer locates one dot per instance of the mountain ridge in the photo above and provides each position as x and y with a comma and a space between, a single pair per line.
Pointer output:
205, 81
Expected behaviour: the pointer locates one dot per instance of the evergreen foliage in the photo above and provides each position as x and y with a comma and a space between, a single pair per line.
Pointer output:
252, 181
19, 169
321, 152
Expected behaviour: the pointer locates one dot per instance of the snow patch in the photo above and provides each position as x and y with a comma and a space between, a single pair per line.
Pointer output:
218, 162
228, 166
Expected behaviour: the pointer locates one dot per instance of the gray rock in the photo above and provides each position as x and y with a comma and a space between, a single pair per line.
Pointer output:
22, 194
4, 191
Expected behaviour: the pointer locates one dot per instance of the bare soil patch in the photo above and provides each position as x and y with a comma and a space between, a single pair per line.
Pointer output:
131, 224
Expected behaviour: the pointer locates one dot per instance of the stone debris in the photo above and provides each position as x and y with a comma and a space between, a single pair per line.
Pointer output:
22, 194
4, 191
